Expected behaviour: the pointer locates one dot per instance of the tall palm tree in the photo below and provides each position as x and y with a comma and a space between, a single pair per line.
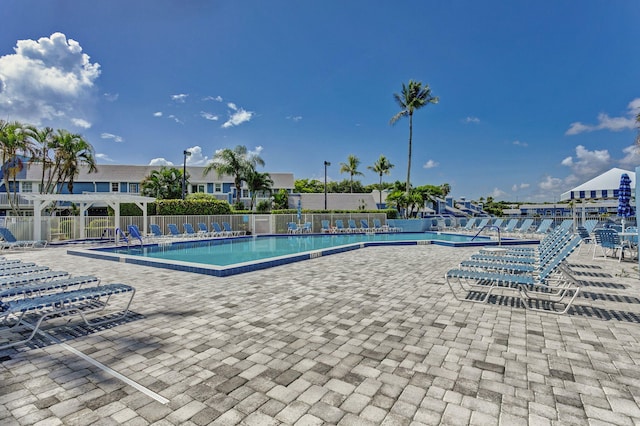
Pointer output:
413, 97
257, 182
14, 143
234, 162
45, 141
71, 154
446, 189
382, 166
351, 167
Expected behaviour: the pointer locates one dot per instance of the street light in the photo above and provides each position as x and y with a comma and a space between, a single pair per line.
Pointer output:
326, 164
184, 172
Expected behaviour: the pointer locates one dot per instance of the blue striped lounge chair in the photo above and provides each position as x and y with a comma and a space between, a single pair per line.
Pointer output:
340, 226
227, 227
219, 231
173, 229
10, 241
189, 231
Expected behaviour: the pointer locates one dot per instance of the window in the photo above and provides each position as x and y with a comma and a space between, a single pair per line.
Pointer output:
27, 187
245, 193
197, 188
134, 188
115, 187
217, 187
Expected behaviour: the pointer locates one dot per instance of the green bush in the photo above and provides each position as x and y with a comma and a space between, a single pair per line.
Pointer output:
263, 206
189, 207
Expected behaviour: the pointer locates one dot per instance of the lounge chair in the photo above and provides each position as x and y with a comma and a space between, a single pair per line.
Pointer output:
156, 231
10, 241
30, 269
566, 224
364, 226
498, 222
325, 227
81, 302
31, 278
227, 227
586, 238
219, 231
482, 224
544, 287
203, 230
544, 227
469, 225
525, 227
292, 228
340, 226
378, 227
42, 287
307, 228
134, 232
173, 229
352, 226
189, 231
510, 226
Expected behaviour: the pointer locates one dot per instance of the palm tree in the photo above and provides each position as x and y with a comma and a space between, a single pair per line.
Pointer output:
164, 184
413, 97
234, 163
256, 182
351, 167
382, 166
71, 154
14, 143
46, 142
446, 189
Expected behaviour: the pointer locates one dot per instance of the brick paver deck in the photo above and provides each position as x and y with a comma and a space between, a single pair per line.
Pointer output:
366, 337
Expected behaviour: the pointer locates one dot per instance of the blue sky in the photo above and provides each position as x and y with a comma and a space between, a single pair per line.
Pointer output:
535, 97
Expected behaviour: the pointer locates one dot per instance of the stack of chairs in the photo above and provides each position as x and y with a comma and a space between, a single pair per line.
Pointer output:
539, 277
31, 294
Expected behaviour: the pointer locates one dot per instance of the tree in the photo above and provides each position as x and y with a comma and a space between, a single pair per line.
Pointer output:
71, 153
257, 182
234, 162
163, 184
382, 166
308, 186
14, 143
351, 167
413, 97
446, 189
45, 140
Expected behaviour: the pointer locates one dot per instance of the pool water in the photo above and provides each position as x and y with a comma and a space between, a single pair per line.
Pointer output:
229, 256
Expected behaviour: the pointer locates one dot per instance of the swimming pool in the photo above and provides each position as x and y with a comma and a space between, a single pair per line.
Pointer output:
230, 256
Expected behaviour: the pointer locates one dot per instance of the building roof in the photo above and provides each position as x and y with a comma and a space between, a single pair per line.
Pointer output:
335, 201
128, 173
602, 186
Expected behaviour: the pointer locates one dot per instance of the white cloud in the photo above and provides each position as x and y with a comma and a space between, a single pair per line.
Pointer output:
48, 79
550, 184
587, 164
614, 124
115, 138
111, 97
296, 118
430, 164
517, 187
211, 98
520, 143
208, 116
238, 117
497, 193
157, 114
79, 122
104, 157
160, 162
472, 119
197, 158
256, 152
632, 156
180, 98
176, 119
232, 106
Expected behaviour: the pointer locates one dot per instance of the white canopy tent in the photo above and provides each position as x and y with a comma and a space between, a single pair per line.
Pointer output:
600, 187
84, 201
604, 186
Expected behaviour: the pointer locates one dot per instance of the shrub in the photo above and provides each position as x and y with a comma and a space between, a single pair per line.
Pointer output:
263, 206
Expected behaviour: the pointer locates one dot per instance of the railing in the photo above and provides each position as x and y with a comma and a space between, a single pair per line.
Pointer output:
496, 228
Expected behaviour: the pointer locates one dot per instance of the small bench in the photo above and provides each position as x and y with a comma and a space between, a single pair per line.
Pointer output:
75, 302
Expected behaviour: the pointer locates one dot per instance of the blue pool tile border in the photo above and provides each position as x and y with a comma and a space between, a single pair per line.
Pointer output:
101, 253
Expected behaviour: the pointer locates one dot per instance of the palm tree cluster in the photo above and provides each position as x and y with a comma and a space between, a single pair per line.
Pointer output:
61, 153
241, 164
163, 184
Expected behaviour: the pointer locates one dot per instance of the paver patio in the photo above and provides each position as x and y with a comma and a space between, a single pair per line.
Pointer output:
367, 337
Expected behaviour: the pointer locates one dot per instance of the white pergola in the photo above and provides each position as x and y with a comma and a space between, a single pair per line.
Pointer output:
84, 201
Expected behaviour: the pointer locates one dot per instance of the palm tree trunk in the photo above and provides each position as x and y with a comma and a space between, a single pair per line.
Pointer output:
408, 188
380, 191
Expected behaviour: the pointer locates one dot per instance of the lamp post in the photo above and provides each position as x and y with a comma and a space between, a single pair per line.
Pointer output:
184, 172
326, 164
